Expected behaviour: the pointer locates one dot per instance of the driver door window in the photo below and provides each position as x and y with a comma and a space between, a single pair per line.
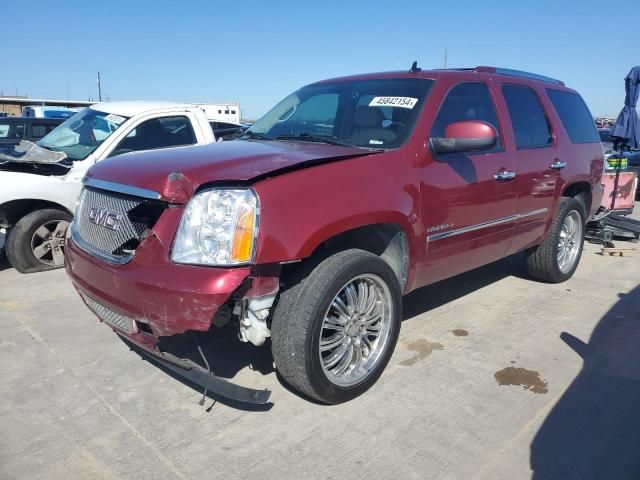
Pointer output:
466, 101
156, 133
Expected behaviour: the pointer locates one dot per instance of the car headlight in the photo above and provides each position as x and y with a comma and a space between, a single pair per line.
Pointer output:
218, 227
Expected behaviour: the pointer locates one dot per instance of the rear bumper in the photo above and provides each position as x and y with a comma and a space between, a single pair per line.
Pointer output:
169, 298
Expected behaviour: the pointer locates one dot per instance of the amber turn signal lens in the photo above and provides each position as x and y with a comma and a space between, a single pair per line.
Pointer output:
241, 249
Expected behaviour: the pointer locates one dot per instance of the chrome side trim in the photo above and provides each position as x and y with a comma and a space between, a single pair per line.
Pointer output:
120, 188
479, 226
531, 213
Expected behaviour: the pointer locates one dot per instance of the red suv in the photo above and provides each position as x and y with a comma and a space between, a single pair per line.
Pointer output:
345, 196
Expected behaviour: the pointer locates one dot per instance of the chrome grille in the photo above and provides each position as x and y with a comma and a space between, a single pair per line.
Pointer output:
115, 245
122, 322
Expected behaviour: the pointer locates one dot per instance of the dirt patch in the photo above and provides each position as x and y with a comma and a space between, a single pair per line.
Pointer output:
528, 379
423, 348
458, 332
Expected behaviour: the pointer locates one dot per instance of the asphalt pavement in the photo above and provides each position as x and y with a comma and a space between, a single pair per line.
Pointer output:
495, 376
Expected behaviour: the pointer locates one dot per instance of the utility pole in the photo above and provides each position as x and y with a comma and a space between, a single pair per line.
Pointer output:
446, 55
68, 86
99, 89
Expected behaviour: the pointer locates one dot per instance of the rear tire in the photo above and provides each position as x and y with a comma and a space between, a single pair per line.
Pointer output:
36, 241
556, 259
330, 353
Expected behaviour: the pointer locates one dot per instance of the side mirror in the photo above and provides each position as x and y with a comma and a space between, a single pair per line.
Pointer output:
465, 136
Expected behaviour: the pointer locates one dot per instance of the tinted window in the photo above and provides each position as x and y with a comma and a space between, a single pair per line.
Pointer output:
39, 130
226, 125
605, 136
11, 130
530, 125
575, 116
466, 101
158, 133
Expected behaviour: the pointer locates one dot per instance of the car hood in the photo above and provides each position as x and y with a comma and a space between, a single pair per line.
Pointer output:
29, 152
177, 173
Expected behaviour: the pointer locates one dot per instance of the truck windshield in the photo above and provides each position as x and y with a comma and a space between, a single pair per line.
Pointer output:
376, 114
81, 134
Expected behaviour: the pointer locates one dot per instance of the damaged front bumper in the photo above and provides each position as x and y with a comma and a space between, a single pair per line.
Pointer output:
193, 372
143, 303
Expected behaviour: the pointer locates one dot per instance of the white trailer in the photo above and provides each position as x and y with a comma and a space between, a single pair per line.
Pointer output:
222, 111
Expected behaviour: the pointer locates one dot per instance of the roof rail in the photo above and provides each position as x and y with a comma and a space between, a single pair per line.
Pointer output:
518, 73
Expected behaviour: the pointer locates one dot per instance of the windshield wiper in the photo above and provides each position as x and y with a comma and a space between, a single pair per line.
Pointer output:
255, 135
307, 137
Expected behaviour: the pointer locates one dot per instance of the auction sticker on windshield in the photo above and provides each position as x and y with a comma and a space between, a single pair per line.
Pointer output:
117, 119
402, 102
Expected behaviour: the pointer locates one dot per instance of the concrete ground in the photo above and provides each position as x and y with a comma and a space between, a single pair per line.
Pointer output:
494, 377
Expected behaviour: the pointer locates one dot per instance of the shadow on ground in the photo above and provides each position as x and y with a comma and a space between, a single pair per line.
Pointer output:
227, 355
433, 296
593, 432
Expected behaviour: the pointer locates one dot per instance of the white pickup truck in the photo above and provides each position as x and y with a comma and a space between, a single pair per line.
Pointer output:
39, 186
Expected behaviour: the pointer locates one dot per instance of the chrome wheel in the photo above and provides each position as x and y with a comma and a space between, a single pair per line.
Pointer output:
570, 241
47, 242
355, 330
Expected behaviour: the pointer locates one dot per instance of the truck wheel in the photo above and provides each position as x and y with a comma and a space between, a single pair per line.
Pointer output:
336, 325
36, 241
557, 257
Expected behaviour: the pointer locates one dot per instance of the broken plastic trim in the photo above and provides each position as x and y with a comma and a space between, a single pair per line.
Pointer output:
196, 374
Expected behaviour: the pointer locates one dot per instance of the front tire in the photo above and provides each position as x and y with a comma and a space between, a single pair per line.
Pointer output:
556, 259
36, 241
336, 325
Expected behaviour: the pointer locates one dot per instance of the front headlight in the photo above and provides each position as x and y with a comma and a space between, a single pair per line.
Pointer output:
218, 227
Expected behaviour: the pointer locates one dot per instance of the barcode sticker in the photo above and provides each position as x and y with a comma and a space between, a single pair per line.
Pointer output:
401, 102
117, 119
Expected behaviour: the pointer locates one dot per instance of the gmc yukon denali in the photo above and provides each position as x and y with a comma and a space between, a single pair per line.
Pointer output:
348, 194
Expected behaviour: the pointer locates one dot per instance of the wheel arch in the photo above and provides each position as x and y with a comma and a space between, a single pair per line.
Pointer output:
14, 210
388, 240
579, 189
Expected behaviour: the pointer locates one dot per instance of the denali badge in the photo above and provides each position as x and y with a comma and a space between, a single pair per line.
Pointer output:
105, 218
437, 228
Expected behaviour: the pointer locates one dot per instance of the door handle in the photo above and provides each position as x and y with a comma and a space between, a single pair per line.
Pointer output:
557, 164
504, 175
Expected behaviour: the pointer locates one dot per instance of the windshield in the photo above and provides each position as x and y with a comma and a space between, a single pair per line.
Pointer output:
81, 134
376, 114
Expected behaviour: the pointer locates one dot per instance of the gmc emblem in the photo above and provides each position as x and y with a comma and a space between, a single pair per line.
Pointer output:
105, 218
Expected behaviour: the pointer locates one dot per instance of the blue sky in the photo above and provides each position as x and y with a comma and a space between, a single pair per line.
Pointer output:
258, 52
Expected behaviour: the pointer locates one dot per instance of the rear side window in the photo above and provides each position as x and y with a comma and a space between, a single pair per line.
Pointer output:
575, 116
13, 131
529, 122
465, 101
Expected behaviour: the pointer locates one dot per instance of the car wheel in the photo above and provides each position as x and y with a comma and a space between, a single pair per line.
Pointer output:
557, 257
336, 325
36, 241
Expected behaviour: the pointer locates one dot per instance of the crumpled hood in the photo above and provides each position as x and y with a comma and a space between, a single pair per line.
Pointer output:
176, 173
29, 152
